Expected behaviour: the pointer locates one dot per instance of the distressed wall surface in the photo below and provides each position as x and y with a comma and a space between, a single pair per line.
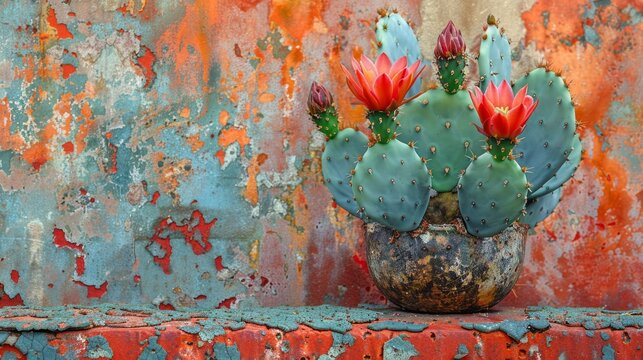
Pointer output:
160, 152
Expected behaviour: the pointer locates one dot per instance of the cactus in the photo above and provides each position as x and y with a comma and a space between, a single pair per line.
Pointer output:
494, 60
392, 185
343, 148
338, 161
492, 192
547, 139
431, 139
540, 208
396, 38
564, 173
440, 126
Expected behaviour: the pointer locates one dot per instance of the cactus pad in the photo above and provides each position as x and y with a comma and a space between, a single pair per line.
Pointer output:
491, 195
396, 38
538, 209
547, 139
564, 173
451, 73
391, 185
338, 161
494, 60
441, 127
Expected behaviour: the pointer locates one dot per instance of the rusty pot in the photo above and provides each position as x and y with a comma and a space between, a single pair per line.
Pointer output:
443, 269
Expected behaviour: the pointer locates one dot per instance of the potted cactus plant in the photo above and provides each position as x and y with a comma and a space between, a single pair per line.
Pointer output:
453, 177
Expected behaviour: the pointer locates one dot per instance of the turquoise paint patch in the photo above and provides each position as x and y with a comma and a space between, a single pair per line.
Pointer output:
548, 340
589, 333
224, 352
36, 346
589, 318
515, 329
153, 351
605, 336
190, 329
5, 161
399, 349
98, 347
608, 353
340, 343
462, 352
397, 326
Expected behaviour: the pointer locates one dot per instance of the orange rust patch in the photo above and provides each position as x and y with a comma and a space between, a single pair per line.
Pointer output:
224, 116
195, 142
266, 97
234, 134
61, 29
37, 155
146, 61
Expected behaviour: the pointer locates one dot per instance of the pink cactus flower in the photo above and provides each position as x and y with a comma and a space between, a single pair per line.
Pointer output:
450, 43
381, 86
502, 115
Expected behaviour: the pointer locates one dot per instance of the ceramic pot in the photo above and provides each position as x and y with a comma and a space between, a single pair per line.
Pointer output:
443, 269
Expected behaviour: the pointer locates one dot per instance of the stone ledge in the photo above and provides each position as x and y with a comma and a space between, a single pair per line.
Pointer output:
137, 332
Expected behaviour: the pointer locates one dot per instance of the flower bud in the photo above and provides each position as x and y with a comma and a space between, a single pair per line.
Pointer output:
319, 99
450, 43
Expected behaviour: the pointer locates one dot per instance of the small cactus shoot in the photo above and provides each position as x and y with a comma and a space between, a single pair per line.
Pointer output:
450, 58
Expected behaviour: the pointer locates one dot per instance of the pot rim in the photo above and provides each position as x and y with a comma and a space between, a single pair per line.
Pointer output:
455, 227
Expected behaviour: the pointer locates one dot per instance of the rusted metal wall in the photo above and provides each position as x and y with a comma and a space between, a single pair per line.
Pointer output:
159, 151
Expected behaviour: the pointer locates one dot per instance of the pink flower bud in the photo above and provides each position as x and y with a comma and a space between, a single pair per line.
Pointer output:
319, 99
450, 43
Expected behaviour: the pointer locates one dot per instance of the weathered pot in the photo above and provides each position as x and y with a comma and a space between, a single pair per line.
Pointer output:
443, 269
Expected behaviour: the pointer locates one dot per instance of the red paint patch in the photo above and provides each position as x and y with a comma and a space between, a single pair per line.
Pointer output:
200, 298
92, 291
227, 303
61, 29
5, 300
195, 231
15, 276
218, 263
146, 62
80, 265
137, 278
155, 197
68, 147
67, 69
61, 241
164, 306
361, 262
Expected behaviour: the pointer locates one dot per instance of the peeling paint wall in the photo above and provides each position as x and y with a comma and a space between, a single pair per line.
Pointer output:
159, 151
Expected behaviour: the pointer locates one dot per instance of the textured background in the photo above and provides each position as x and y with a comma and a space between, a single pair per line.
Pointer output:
159, 151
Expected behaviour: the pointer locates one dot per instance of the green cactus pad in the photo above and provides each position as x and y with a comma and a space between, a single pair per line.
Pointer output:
441, 126
451, 73
391, 185
338, 161
494, 60
327, 121
491, 195
538, 209
396, 38
564, 173
547, 139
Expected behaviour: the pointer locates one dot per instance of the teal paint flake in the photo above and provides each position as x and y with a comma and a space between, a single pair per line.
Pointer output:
589, 318
285, 346
340, 342
190, 329
36, 346
548, 340
224, 352
98, 347
589, 333
608, 353
9, 356
605, 336
462, 352
399, 349
5, 161
515, 329
397, 326
153, 351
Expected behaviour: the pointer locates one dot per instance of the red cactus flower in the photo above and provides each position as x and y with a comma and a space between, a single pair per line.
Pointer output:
381, 86
319, 99
502, 115
450, 43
